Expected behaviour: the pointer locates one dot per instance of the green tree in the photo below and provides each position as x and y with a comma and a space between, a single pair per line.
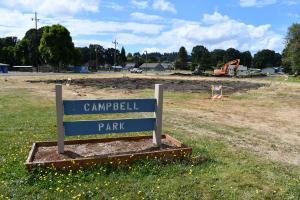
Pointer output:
138, 59
22, 52
33, 44
291, 54
8, 41
109, 56
278, 60
246, 59
85, 55
7, 50
182, 59
286, 62
130, 57
77, 57
264, 58
8, 55
231, 54
56, 46
201, 57
169, 57
153, 57
122, 57
217, 57
97, 55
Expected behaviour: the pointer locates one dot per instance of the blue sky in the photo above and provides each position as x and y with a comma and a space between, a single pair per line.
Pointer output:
159, 25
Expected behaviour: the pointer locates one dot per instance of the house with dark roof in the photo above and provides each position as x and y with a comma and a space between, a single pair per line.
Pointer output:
268, 70
152, 67
168, 66
129, 66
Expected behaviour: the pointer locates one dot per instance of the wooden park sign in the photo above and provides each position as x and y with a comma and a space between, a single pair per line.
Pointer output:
172, 148
84, 107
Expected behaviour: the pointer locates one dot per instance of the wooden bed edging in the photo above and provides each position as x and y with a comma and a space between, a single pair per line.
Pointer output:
79, 163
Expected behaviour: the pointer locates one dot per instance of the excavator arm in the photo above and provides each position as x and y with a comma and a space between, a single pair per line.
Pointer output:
224, 70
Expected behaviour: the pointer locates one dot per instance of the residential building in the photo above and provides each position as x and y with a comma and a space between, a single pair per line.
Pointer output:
268, 70
152, 67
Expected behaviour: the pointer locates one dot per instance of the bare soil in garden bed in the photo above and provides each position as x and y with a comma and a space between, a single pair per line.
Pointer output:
98, 150
131, 84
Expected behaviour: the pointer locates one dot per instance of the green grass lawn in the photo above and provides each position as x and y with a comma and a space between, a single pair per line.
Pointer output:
223, 172
286, 78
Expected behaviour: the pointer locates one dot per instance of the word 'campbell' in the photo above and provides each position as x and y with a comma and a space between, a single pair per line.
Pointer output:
107, 106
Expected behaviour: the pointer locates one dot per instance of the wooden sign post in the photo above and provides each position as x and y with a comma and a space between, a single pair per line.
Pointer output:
87, 127
59, 119
159, 93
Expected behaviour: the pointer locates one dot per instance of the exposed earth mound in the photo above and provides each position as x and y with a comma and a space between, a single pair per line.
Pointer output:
229, 87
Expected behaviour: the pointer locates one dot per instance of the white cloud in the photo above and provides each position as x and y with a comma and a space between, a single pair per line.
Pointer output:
86, 27
114, 6
213, 31
141, 4
256, 3
53, 7
145, 17
155, 50
14, 23
151, 50
214, 18
86, 43
221, 32
291, 2
294, 15
164, 5
129, 38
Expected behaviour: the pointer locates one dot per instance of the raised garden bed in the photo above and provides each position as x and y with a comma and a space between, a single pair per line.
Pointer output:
115, 151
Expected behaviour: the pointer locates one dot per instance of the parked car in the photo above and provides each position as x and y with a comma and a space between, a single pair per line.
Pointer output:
136, 71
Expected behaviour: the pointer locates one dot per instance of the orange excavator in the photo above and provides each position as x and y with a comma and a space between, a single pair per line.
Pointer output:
224, 70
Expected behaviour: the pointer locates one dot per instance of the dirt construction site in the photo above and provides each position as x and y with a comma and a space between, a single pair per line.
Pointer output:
256, 115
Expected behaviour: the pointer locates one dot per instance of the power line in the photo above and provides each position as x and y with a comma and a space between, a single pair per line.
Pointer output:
35, 19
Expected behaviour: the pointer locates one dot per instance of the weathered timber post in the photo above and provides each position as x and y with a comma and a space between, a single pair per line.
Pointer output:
158, 114
59, 119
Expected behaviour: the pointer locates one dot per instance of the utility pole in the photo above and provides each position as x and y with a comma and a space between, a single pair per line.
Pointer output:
35, 19
115, 57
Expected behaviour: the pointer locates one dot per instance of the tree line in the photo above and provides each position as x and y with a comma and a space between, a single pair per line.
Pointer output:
203, 59
53, 45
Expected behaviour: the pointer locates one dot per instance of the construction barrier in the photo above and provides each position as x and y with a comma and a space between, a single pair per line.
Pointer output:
216, 91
